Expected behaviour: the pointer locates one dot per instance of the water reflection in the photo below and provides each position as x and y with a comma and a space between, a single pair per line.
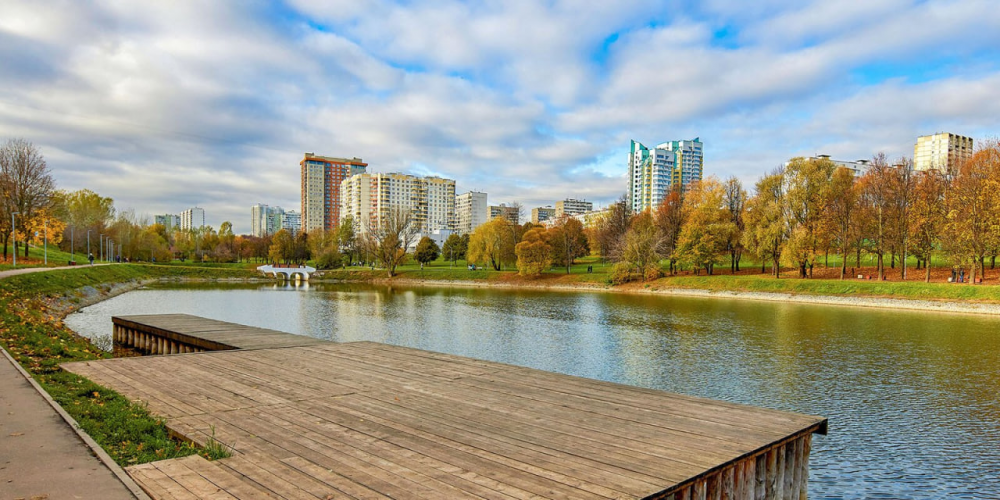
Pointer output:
911, 396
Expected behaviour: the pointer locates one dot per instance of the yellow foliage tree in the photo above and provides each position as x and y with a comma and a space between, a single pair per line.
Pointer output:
534, 254
493, 243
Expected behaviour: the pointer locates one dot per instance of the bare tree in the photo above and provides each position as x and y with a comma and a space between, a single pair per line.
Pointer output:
735, 199
876, 208
609, 233
26, 183
391, 234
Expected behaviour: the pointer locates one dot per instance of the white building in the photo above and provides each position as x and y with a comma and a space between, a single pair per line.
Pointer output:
258, 220
192, 218
291, 221
511, 212
541, 215
431, 200
654, 172
169, 221
859, 167
439, 236
471, 210
942, 151
569, 206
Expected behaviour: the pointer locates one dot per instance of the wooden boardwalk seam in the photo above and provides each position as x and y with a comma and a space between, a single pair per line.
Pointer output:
366, 420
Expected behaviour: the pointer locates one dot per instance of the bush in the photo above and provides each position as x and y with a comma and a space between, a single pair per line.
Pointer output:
329, 259
621, 272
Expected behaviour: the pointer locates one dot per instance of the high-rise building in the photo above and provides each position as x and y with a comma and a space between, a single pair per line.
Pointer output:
321, 180
654, 172
192, 218
569, 206
431, 200
258, 220
511, 212
291, 221
169, 221
942, 151
542, 214
274, 219
471, 210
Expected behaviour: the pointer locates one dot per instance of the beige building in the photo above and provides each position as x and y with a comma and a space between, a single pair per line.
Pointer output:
431, 200
512, 213
569, 206
471, 211
942, 151
542, 214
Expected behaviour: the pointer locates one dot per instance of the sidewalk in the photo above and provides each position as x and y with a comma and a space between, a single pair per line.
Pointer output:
41, 456
26, 270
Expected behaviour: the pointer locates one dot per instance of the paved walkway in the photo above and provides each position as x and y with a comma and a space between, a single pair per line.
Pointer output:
41, 456
26, 270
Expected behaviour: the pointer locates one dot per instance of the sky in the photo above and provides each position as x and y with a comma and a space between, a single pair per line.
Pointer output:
167, 105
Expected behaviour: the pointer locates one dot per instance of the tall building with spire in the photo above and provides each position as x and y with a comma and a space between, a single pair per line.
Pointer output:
321, 178
653, 172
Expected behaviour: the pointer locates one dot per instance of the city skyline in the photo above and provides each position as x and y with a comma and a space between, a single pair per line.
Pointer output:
126, 100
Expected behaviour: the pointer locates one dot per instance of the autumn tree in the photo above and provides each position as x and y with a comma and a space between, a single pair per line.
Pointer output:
427, 250
454, 248
929, 215
493, 243
973, 204
82, 210
876, 208
281, 247
840, 213
609, 230
708, 227
807, 180
534, 254
766, 221
735, 200
346, 237
391, 234
26, 185
568, 242
640, 250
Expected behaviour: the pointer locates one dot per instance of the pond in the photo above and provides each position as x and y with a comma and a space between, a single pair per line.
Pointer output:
912, 397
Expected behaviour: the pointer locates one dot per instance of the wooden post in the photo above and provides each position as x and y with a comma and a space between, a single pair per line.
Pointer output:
771, 475
760, 479
804, 467
789, 469
779, 473
728, 483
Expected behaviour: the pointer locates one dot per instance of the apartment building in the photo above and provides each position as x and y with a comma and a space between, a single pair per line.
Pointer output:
431, 200
942, 151
569, 206
169, 221
471, 211
653, 172
192, 218
541, 215
511, 212
290, 221
321, 180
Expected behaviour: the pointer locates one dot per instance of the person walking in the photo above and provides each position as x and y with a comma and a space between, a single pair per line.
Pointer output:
91, 259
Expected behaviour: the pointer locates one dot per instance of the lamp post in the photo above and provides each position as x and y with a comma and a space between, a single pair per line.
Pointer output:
13, 238
45, 240
101, 253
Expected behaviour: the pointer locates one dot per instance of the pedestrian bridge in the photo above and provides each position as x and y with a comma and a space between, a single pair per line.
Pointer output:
287, 271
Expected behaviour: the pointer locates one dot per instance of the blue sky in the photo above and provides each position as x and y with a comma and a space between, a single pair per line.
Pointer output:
165, 105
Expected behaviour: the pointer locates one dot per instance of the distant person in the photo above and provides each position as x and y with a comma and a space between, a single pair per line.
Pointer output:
91, 259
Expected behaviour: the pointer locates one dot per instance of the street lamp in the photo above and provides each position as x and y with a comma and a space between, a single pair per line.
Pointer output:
45, 241
101, 253
13, 238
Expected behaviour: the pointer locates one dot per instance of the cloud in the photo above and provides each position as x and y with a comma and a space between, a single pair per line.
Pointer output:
167, 105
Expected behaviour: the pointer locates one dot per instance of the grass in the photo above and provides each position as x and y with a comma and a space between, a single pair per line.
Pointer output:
35, 336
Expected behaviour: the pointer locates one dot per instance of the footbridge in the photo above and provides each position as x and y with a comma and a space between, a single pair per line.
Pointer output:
287, 271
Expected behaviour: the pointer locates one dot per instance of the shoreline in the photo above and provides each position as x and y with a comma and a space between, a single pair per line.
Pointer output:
871, 302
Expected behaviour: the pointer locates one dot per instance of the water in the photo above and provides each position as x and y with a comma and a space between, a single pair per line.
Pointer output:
912, 397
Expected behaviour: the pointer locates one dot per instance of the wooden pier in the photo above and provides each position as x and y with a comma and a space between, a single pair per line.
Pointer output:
368, 420
183, 333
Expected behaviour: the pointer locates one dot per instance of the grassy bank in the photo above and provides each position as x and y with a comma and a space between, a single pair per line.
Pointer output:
749, 281
33, 332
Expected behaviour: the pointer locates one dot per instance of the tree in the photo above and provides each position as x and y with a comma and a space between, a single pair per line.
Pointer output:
973, 205
390, 235
454, 248
83, 210
427, 250
640, 250
709, 227
767, 222
493, 243
568, 242
875, 208
26, 185
839, 216
670, 220
609, 231
281, 250
534, 254
929, 215
901, 190
347, 237
735, 200
807, 180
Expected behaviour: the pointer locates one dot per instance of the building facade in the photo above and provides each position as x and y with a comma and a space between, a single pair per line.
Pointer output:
859, 167
192, 218
258, 220
569, 206
653, 172
942, 151
291, 221
431, 200
541, 215
321, 180
471, 211
512, 212
169, 221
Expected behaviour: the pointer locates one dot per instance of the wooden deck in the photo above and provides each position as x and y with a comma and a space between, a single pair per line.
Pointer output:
367, 420
180, 333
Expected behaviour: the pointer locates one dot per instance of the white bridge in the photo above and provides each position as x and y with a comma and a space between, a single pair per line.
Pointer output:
287, 271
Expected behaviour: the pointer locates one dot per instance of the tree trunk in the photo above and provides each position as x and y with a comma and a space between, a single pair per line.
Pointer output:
843, 264
763, 266
826, 259
857, 258
902, 263
802, 269
927, 271
881, 267
973, 280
